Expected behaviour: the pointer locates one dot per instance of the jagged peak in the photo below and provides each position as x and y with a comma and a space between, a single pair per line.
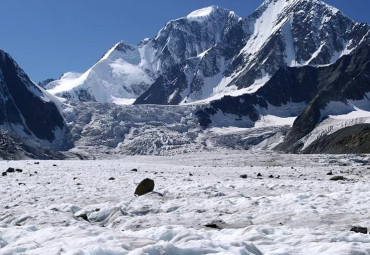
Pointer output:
289, 4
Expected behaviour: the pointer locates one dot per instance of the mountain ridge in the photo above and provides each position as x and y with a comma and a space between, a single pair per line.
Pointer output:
238, 59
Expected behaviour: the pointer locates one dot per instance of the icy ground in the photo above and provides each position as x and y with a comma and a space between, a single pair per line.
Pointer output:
296, 211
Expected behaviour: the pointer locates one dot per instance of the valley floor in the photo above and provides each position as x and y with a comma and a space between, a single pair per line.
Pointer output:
89, 207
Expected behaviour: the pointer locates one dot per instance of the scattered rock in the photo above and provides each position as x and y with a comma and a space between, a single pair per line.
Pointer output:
212, 225
337, 178
144, 187
78, 184
10, 170
21, 183
244, 176
83, 216
54, 165
134, 170
112, 179
19, 170
37, 163
74, 178
271, 176
359, 229
259, 175
4, 174
330, 173
190, 174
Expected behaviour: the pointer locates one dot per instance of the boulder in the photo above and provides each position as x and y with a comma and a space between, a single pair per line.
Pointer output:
359, 229
10, 170
337, 178
144, 187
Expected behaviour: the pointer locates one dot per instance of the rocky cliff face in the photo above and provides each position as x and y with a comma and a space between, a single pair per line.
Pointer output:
26, 109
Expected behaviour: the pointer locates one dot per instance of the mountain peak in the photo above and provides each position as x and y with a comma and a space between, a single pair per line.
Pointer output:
204, 13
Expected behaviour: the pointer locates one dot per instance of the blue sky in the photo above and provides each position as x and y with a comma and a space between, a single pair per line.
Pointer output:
50, 37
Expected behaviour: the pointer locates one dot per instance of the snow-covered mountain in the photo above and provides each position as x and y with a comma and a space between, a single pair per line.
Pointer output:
315, 101
127, 71
279, 33
212, 52
26, 109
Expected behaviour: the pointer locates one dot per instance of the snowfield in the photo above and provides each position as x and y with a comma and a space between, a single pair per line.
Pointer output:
71, 207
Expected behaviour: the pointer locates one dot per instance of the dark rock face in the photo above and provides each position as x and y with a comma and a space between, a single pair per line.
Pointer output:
13, 147
288, 85
146, 186
22, 103
347, 79
354, 139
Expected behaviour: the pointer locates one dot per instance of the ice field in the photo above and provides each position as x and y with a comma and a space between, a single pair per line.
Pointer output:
287, 205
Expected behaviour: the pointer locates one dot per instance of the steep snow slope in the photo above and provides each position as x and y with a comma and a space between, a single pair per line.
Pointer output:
119, 76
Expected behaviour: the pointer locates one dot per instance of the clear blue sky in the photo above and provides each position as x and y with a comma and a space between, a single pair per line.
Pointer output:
50, 37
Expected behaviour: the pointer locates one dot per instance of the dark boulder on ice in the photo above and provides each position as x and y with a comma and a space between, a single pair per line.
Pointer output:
359, 229
337, 178
4, 174
244, 176
10, 170
144, 187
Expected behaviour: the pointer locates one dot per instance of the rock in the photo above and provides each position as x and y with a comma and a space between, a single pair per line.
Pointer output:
83, 216
10, 170
259, 175
337, 178
134, 170
37, 163
359, 229
19, 170
271, 176
330, 173
21, 183
112, 179
145, 187
4, 174
244, 176
212, 225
